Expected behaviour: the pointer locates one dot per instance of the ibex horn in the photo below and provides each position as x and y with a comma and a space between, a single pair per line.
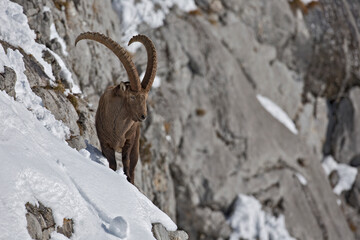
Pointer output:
119, 51
152, 60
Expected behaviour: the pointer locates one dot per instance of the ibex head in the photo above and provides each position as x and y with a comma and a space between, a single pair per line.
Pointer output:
134, 102
131, 95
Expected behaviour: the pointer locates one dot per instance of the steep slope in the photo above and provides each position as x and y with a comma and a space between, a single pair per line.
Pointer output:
38, 167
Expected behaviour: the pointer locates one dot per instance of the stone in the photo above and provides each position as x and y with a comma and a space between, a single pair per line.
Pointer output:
67, 229
160, 233
334, 178
7, 81
40, 222
33, 226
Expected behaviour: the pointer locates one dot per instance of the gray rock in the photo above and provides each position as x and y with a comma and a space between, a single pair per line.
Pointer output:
342, 138
7, 81
33, 226
40, 222
334, 64
160, 233
344, 129
67, 229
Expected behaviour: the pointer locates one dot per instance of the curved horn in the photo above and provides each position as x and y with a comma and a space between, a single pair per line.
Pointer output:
119, 51
152, 60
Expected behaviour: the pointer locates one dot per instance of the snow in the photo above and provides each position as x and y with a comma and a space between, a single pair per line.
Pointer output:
248, 221
301, 178
156, 83
15, 30
306, 1
133, 13
119, 227
347, 174
46, 9
37, 166
94, 154
27, 97
55, 35
277, 113
66, 74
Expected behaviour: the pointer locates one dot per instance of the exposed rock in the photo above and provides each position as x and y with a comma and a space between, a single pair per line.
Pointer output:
342, 143
334, 65
67, 229
160, 233
40, 222
334, 178
7, 81
344, 129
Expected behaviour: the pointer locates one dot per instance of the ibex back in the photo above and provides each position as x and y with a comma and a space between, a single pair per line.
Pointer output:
122, 107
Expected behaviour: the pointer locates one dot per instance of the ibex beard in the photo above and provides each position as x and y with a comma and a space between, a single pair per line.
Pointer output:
123, 107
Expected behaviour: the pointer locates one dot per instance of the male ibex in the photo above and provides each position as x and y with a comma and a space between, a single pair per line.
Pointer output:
122, 107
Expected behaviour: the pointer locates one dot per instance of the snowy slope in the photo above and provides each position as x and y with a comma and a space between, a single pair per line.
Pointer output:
37, 166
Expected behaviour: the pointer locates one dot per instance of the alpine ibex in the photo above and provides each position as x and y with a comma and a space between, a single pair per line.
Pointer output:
122, 107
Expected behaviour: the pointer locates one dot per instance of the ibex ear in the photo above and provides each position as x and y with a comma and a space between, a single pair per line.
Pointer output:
119, 89
122, 86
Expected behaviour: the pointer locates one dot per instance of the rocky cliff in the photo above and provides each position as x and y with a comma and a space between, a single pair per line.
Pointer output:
208, 137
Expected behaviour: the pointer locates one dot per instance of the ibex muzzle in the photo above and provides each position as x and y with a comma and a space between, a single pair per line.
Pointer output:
122, 107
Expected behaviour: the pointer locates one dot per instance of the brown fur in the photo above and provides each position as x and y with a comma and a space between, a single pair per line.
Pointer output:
122, 107
118, 125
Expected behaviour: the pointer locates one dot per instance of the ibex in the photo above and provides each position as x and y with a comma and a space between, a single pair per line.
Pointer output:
122, 107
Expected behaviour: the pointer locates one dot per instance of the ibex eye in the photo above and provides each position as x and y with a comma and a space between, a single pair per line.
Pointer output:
132, 97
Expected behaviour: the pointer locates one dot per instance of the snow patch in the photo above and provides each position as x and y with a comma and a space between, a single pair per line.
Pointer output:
46, 9
306, 1
24, 94
277, 113
347, 174
66, 74
248, 221
133, 13
55, 35
15, 30
156, 83
301, 178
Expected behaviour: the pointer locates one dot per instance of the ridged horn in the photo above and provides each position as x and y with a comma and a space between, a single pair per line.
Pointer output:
151, 61
119, 51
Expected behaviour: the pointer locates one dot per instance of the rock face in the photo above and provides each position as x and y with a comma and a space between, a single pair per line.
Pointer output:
207, 137
40, 223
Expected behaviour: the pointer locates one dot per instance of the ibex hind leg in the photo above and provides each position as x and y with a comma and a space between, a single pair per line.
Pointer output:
109, 153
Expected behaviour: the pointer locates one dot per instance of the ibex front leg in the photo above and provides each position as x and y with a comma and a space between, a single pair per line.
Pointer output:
134, 155
109, 153
125, 154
